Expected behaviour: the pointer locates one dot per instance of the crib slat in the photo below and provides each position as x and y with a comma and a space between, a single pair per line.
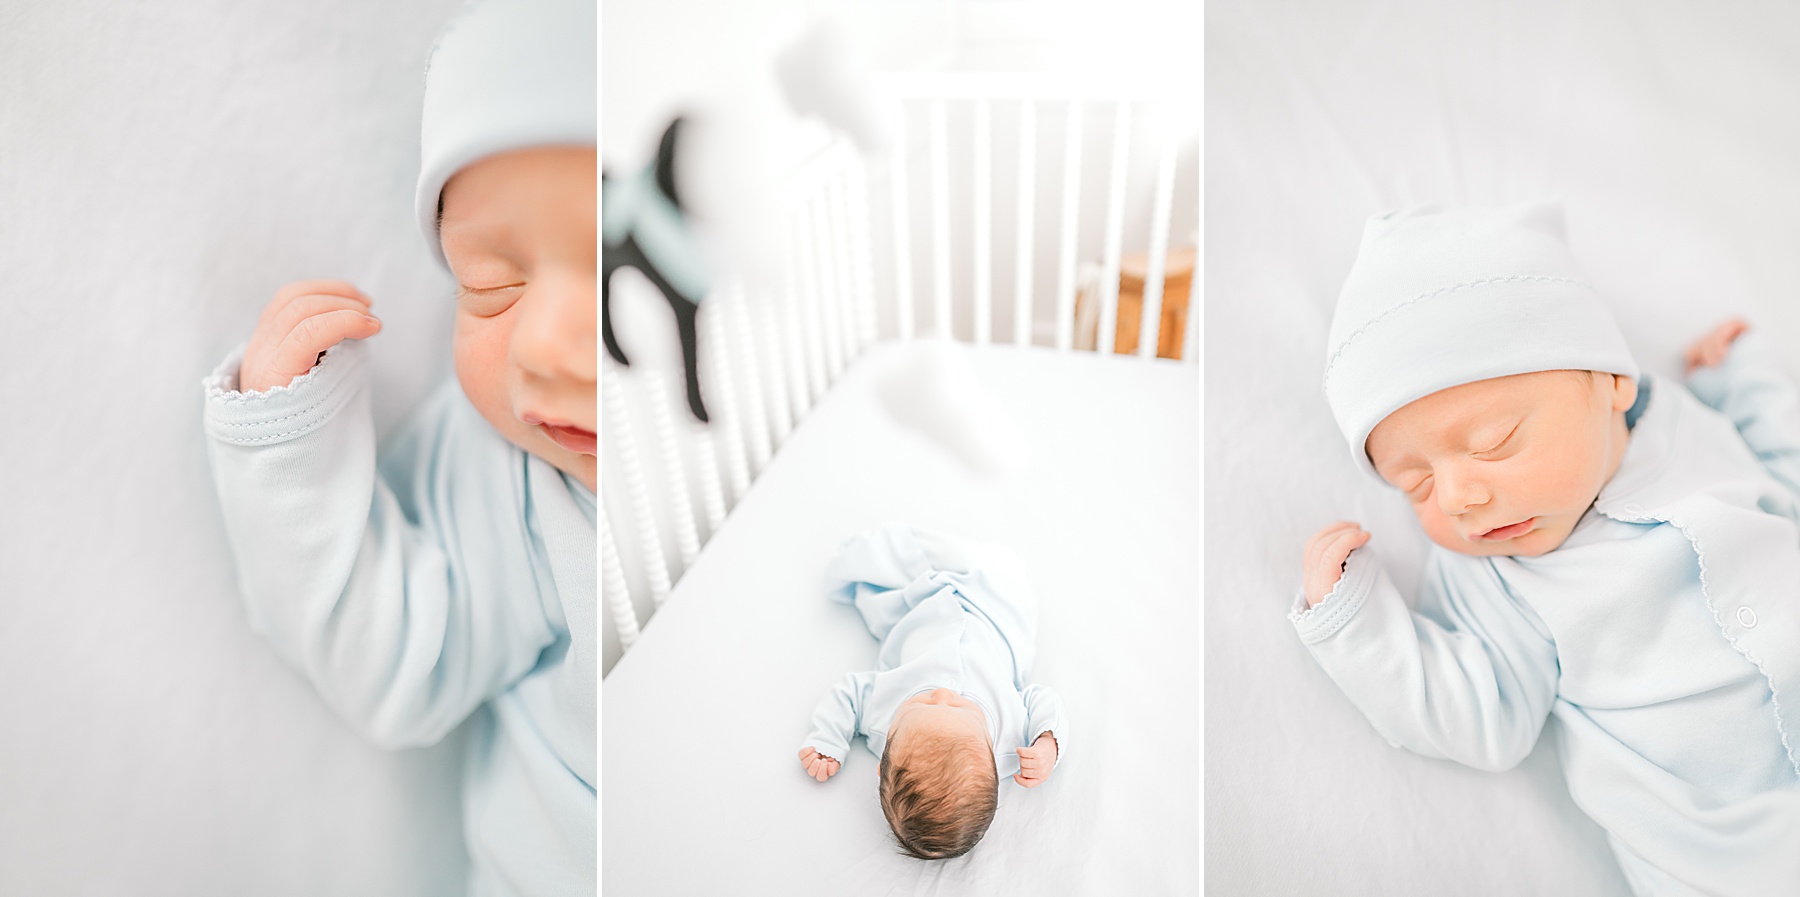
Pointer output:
722, 385
1195, 326
843, 286
637, 489
662, 429
758, 413
940, 221
783, 367
857, 196
706, 463
983, 226
1151, 323
1071, 209
1026, 228
1106, 340
803, 313
614, 589
794, 344
903, 287
817, 260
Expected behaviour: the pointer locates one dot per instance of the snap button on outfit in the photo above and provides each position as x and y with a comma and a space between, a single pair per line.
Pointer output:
1633, 509
1747, 617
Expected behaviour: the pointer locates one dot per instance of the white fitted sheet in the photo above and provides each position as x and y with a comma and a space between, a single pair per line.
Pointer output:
1654, 122
164, 168
702, 720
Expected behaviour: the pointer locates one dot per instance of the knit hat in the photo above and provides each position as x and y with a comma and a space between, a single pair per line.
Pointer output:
505, 75
1441, 298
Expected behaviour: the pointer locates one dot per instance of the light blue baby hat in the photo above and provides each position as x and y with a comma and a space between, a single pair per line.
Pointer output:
1438, 298
505, 75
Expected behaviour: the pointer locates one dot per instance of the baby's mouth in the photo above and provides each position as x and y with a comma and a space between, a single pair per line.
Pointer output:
573, 438
1502, 533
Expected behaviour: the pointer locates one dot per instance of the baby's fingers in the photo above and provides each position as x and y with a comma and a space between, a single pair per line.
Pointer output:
1322, 575
299, 351
1315, 546
318, 287
1336, 551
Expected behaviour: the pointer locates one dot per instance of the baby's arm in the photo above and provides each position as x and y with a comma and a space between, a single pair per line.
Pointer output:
349, 575
1737, 372
1470, 676
835, 721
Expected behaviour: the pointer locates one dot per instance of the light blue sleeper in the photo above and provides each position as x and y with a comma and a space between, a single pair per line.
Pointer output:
456, 574
950, 615
1663, 635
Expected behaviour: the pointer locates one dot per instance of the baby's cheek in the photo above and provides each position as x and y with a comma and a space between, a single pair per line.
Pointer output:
479, 349
1439, 529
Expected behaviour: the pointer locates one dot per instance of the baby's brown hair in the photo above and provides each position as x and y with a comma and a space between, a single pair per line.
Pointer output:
942, 801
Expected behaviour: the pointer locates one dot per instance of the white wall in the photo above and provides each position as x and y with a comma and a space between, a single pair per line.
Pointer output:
163, 169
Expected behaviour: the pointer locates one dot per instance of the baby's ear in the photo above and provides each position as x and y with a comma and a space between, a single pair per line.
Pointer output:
1624, 392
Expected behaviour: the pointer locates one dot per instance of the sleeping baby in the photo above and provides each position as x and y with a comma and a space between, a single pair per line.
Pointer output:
1612, 549
452, 575
946, 707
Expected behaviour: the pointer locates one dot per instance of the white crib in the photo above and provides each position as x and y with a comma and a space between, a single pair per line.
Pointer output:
866, 234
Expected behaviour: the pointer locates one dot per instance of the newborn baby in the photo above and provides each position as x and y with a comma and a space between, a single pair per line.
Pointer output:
1609, 550
453, 575
946, 708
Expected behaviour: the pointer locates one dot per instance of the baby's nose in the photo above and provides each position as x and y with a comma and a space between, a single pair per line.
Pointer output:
554, 336
1457, 494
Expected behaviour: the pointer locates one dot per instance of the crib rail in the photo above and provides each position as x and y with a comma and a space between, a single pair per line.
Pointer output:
963, 143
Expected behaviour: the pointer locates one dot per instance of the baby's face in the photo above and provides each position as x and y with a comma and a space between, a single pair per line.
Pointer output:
1506, 466
518, 231
942, 712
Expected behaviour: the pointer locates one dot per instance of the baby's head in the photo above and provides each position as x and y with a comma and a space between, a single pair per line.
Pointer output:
1473, 368
506, 197
939, 785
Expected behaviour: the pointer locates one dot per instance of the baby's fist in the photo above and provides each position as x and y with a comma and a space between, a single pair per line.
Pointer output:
1711, 349
1036, 761
818, 765
1326, 553
304, 319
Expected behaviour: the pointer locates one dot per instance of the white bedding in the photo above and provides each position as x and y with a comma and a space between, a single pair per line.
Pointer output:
702, 720
164, 167
1664, 128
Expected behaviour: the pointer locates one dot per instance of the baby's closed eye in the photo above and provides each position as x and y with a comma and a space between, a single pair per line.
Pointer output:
486, 302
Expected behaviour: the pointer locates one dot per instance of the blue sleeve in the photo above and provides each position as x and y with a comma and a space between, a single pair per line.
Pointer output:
406, 603
1044, 713
1751, 388
1469, 677
838, 717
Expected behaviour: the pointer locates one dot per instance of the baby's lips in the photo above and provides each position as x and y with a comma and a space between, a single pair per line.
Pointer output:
579, 440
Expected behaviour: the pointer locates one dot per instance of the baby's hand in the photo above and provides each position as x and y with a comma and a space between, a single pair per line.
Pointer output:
1712, 348
305, 318
1036, 761
1326, 553
818, 765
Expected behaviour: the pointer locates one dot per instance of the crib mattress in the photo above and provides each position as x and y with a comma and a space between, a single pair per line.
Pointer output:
701, 721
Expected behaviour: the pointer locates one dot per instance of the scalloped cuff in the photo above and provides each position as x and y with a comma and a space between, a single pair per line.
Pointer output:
284, 412
1323, 620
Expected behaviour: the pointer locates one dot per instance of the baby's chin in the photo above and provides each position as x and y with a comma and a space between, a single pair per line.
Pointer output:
534, 441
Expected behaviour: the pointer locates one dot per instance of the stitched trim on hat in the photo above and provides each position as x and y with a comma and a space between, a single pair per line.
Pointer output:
1331, 362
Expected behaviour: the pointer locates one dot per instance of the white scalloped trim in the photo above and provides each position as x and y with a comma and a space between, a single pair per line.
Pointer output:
223, 386
1706, 593
1331, 363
